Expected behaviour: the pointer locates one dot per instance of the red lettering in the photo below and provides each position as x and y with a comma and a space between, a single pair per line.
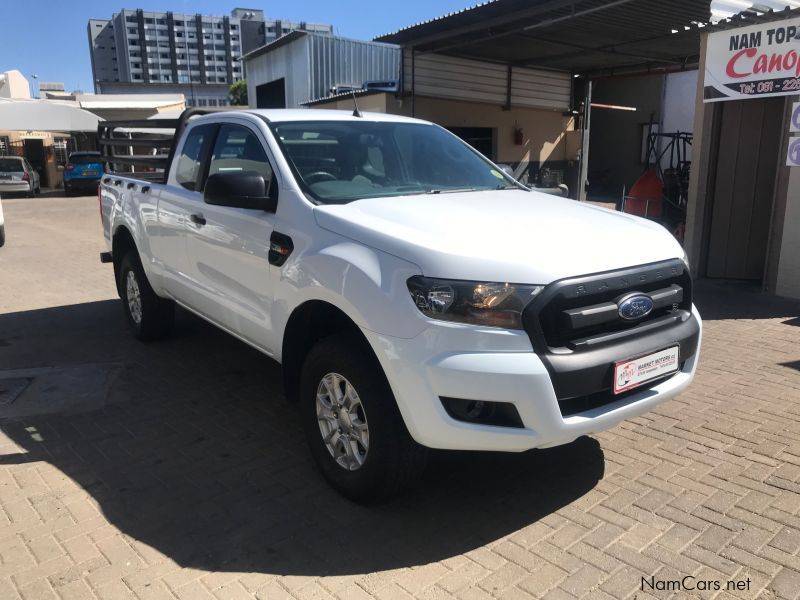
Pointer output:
730, 70
790, 60
761, 64
775, 62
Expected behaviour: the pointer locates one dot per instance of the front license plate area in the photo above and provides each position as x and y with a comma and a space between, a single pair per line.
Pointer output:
631, 374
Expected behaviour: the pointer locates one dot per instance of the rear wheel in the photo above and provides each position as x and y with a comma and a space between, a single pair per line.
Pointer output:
2, 235
149, 316
353, 426
32, 191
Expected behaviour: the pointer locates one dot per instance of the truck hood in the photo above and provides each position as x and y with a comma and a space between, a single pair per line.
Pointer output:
505, 235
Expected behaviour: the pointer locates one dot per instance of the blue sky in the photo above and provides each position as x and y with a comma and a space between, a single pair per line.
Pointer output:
48, 37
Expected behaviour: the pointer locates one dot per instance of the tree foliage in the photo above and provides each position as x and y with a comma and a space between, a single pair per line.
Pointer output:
238, 93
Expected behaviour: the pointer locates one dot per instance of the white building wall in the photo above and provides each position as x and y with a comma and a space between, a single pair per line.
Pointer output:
14, 85
678, 109
291, 62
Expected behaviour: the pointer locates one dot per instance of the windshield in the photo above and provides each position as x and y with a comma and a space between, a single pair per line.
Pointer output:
11, 165
84, 159
341, 161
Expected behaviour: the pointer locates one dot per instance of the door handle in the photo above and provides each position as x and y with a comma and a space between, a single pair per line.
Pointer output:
198, 219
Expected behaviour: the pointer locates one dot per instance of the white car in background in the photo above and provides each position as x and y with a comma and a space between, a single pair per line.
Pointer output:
17, 175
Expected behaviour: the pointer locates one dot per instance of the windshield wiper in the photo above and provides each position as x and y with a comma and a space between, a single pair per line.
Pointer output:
451, 190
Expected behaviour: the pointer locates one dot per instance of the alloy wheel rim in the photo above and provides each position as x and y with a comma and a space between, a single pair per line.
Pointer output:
134, 297
342, 421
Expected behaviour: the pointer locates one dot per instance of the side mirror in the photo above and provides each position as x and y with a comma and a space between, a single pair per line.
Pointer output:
507, 170
242, 189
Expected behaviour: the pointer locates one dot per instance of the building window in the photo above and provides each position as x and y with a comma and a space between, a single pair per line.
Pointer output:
149, 21
130, 18
202, 102
161, 22
212, 102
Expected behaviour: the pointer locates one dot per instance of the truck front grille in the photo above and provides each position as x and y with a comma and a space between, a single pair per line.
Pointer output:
580, 313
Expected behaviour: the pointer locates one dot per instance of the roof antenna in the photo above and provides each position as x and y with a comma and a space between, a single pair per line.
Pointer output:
356, 112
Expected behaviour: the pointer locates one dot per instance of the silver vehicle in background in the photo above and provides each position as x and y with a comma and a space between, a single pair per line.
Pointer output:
18, 176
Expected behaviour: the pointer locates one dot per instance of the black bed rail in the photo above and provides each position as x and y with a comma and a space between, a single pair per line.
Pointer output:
142, 148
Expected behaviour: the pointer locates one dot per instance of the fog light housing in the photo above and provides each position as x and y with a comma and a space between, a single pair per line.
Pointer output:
482, 412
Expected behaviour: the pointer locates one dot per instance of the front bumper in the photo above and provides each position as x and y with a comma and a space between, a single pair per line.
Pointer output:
16, 186
471, 363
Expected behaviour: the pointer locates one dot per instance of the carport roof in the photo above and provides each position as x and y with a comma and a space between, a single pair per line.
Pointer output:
581, 36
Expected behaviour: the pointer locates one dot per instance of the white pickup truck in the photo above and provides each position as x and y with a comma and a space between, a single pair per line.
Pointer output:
415, 295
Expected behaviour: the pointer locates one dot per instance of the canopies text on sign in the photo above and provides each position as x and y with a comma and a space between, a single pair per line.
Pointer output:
756, 61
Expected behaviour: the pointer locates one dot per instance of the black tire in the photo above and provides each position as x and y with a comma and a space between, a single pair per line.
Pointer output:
67, 190
156, 315
393, 459
31, 193
2, 235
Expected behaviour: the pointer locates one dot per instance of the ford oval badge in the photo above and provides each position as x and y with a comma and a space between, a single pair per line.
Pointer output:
635, 307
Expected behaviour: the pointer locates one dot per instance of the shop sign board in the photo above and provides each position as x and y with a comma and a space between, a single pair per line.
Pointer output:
758, 61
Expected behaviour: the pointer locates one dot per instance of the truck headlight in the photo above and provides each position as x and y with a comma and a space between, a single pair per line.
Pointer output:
475, 302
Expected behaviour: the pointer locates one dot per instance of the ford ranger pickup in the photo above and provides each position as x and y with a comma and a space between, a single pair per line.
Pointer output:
415, 294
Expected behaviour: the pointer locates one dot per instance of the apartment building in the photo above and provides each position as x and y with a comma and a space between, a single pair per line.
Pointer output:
138, 51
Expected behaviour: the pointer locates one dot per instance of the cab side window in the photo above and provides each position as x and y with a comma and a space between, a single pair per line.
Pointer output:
189, 161
239, 149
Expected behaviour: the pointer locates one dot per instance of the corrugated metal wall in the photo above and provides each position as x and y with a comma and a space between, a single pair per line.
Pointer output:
443, 76
341, 61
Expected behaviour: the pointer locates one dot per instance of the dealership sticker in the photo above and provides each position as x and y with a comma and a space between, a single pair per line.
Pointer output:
633, 373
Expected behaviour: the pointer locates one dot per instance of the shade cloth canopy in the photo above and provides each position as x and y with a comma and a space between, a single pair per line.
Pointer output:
45, 115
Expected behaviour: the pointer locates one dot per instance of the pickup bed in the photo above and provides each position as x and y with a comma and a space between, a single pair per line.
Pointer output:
415, 295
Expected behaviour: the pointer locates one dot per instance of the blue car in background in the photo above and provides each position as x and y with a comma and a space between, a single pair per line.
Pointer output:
82, 172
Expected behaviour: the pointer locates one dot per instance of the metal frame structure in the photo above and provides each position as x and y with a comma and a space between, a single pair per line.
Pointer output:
115, 135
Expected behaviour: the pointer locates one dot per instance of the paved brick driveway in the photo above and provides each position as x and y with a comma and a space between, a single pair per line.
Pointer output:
175, 470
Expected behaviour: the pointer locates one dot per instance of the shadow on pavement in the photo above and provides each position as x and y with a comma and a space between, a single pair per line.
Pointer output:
718, 300
197, 454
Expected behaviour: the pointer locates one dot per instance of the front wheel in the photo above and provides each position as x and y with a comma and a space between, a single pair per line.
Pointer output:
353, 426
2, 235
149, 316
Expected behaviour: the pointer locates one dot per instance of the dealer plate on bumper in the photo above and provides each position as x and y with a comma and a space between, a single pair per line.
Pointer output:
633, 373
